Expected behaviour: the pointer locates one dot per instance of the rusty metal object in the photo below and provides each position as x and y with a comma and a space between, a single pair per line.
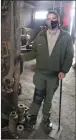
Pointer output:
17, 53
8, 79
21, 113
20, 129
11, 80
13, 119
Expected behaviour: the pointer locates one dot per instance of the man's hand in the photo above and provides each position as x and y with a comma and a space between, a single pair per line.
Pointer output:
61, 75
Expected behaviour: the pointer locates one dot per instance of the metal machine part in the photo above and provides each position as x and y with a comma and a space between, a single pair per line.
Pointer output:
12, 49
25, 40
26, 111
27, 37
10, 81
21, 108
20, 129
10, 70
13, 119
21, 113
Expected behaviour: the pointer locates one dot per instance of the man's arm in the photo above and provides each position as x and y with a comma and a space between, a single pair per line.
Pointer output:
69, 57
30, 55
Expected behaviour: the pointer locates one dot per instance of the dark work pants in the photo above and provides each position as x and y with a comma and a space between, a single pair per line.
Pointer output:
45, 87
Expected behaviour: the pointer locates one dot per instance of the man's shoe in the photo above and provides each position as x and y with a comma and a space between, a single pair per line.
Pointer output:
47, 125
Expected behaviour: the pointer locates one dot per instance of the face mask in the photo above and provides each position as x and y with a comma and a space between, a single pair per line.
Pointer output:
52, 24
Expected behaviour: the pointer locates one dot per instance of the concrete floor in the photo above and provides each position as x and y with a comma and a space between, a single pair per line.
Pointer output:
68, 102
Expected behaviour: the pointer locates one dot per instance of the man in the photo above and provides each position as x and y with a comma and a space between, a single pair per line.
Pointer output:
53, 50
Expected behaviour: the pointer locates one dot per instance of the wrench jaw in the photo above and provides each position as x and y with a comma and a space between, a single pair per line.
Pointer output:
55, 133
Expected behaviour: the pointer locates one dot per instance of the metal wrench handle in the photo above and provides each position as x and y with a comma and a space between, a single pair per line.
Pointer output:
60, 104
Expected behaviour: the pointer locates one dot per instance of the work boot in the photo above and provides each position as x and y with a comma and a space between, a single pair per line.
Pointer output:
47, 125
31, 121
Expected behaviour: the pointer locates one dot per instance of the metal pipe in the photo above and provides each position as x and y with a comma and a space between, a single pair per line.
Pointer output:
17, 53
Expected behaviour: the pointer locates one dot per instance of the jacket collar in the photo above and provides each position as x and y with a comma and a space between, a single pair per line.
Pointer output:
43, 33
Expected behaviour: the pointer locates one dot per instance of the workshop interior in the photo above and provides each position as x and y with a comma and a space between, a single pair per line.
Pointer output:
21, 21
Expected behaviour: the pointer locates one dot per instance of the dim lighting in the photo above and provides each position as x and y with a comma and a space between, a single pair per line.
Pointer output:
41, 14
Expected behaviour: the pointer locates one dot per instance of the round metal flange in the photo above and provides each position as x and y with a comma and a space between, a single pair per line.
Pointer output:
21, 108
20, 129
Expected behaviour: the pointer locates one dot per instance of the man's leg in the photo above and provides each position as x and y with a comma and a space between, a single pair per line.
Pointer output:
37, 100
38, 96
52, 83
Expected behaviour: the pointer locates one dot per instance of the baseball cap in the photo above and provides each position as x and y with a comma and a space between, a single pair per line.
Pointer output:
54, 12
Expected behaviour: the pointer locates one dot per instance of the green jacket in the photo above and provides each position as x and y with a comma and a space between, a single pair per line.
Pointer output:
61, 57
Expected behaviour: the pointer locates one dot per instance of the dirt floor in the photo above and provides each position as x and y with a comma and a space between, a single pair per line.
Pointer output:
68, 102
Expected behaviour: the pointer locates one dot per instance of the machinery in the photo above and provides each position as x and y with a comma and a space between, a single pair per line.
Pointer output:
10, 68
15, 40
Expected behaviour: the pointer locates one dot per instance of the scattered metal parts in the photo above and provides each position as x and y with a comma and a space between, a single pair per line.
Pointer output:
26, 111
21, 119
29, 127
21, 113
21, 108
13, 118
28, 118
20, 129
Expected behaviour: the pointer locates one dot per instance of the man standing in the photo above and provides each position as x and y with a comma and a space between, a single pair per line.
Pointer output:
53, 51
